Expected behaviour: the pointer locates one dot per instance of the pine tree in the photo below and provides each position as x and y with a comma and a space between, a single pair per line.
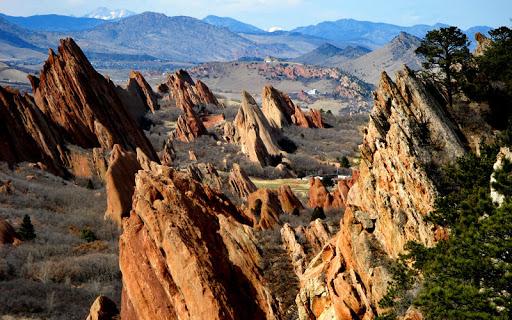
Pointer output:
26, 230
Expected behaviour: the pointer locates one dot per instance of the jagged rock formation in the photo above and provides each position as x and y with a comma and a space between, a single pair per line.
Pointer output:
253, 132
83, 105
188, 126
139, 87
289, 201
408, 131
120, 183
503, 155
26, 135
103, 309
280, 111
264, 209
239, 182
206, 174
7, 233
185, 92
483, 43
212, 120
185, 253
168, 153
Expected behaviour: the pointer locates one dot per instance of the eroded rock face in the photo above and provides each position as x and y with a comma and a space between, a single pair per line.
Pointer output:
206, 173
280, 111
185, 92
120, 183
253, 132
168, 153
319, 196
138, 86
7, 233
386, 205
239, 182
177, 224
103, 309
188, 126
26, 135
289, 201
264, 209
83, 105
503, 155
277, 107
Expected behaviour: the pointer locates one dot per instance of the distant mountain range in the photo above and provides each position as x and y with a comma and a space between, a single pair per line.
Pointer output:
183, 39
232, 24
103, 13
371, 34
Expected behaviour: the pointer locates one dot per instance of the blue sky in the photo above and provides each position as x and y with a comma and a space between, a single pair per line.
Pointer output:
292, 13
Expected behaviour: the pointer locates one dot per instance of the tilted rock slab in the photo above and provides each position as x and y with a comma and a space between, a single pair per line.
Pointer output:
186, 253
387, 204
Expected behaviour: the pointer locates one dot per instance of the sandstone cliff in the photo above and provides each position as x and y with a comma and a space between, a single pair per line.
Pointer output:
408, 132
185, 253
83, 105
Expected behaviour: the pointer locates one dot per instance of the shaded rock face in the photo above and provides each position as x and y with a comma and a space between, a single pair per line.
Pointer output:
277, 107
188, 126
7, 233
138, 86
239, 183
206, 174
210, 121
168, 153
264, 209
26, 135
103, 309
319, 196
280, 111
386, 205
83, 105
255, 135
186, 254
289, 201
187, 93
120, 183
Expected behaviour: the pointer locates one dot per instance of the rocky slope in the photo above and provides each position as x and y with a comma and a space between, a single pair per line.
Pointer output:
178, 224
386, 205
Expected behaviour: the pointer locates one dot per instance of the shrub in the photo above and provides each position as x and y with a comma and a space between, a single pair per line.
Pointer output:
26, 230
344, 162
88, 235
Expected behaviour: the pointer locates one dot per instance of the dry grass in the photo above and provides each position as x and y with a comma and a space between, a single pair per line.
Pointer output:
58, 275
299, 186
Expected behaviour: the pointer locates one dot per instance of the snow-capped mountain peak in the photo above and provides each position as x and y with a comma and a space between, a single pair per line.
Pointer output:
108, 14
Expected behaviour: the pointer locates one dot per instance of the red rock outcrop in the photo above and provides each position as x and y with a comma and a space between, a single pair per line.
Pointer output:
138, 86
253, 132
483, 43
288, 199
188, 126
387, 204
319, 196
83, 105
206, 173
315, 119
280, 111
185, 92
26, 135
103, 309
7, 233
264, 209
239, 183
186, 254
120, 183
